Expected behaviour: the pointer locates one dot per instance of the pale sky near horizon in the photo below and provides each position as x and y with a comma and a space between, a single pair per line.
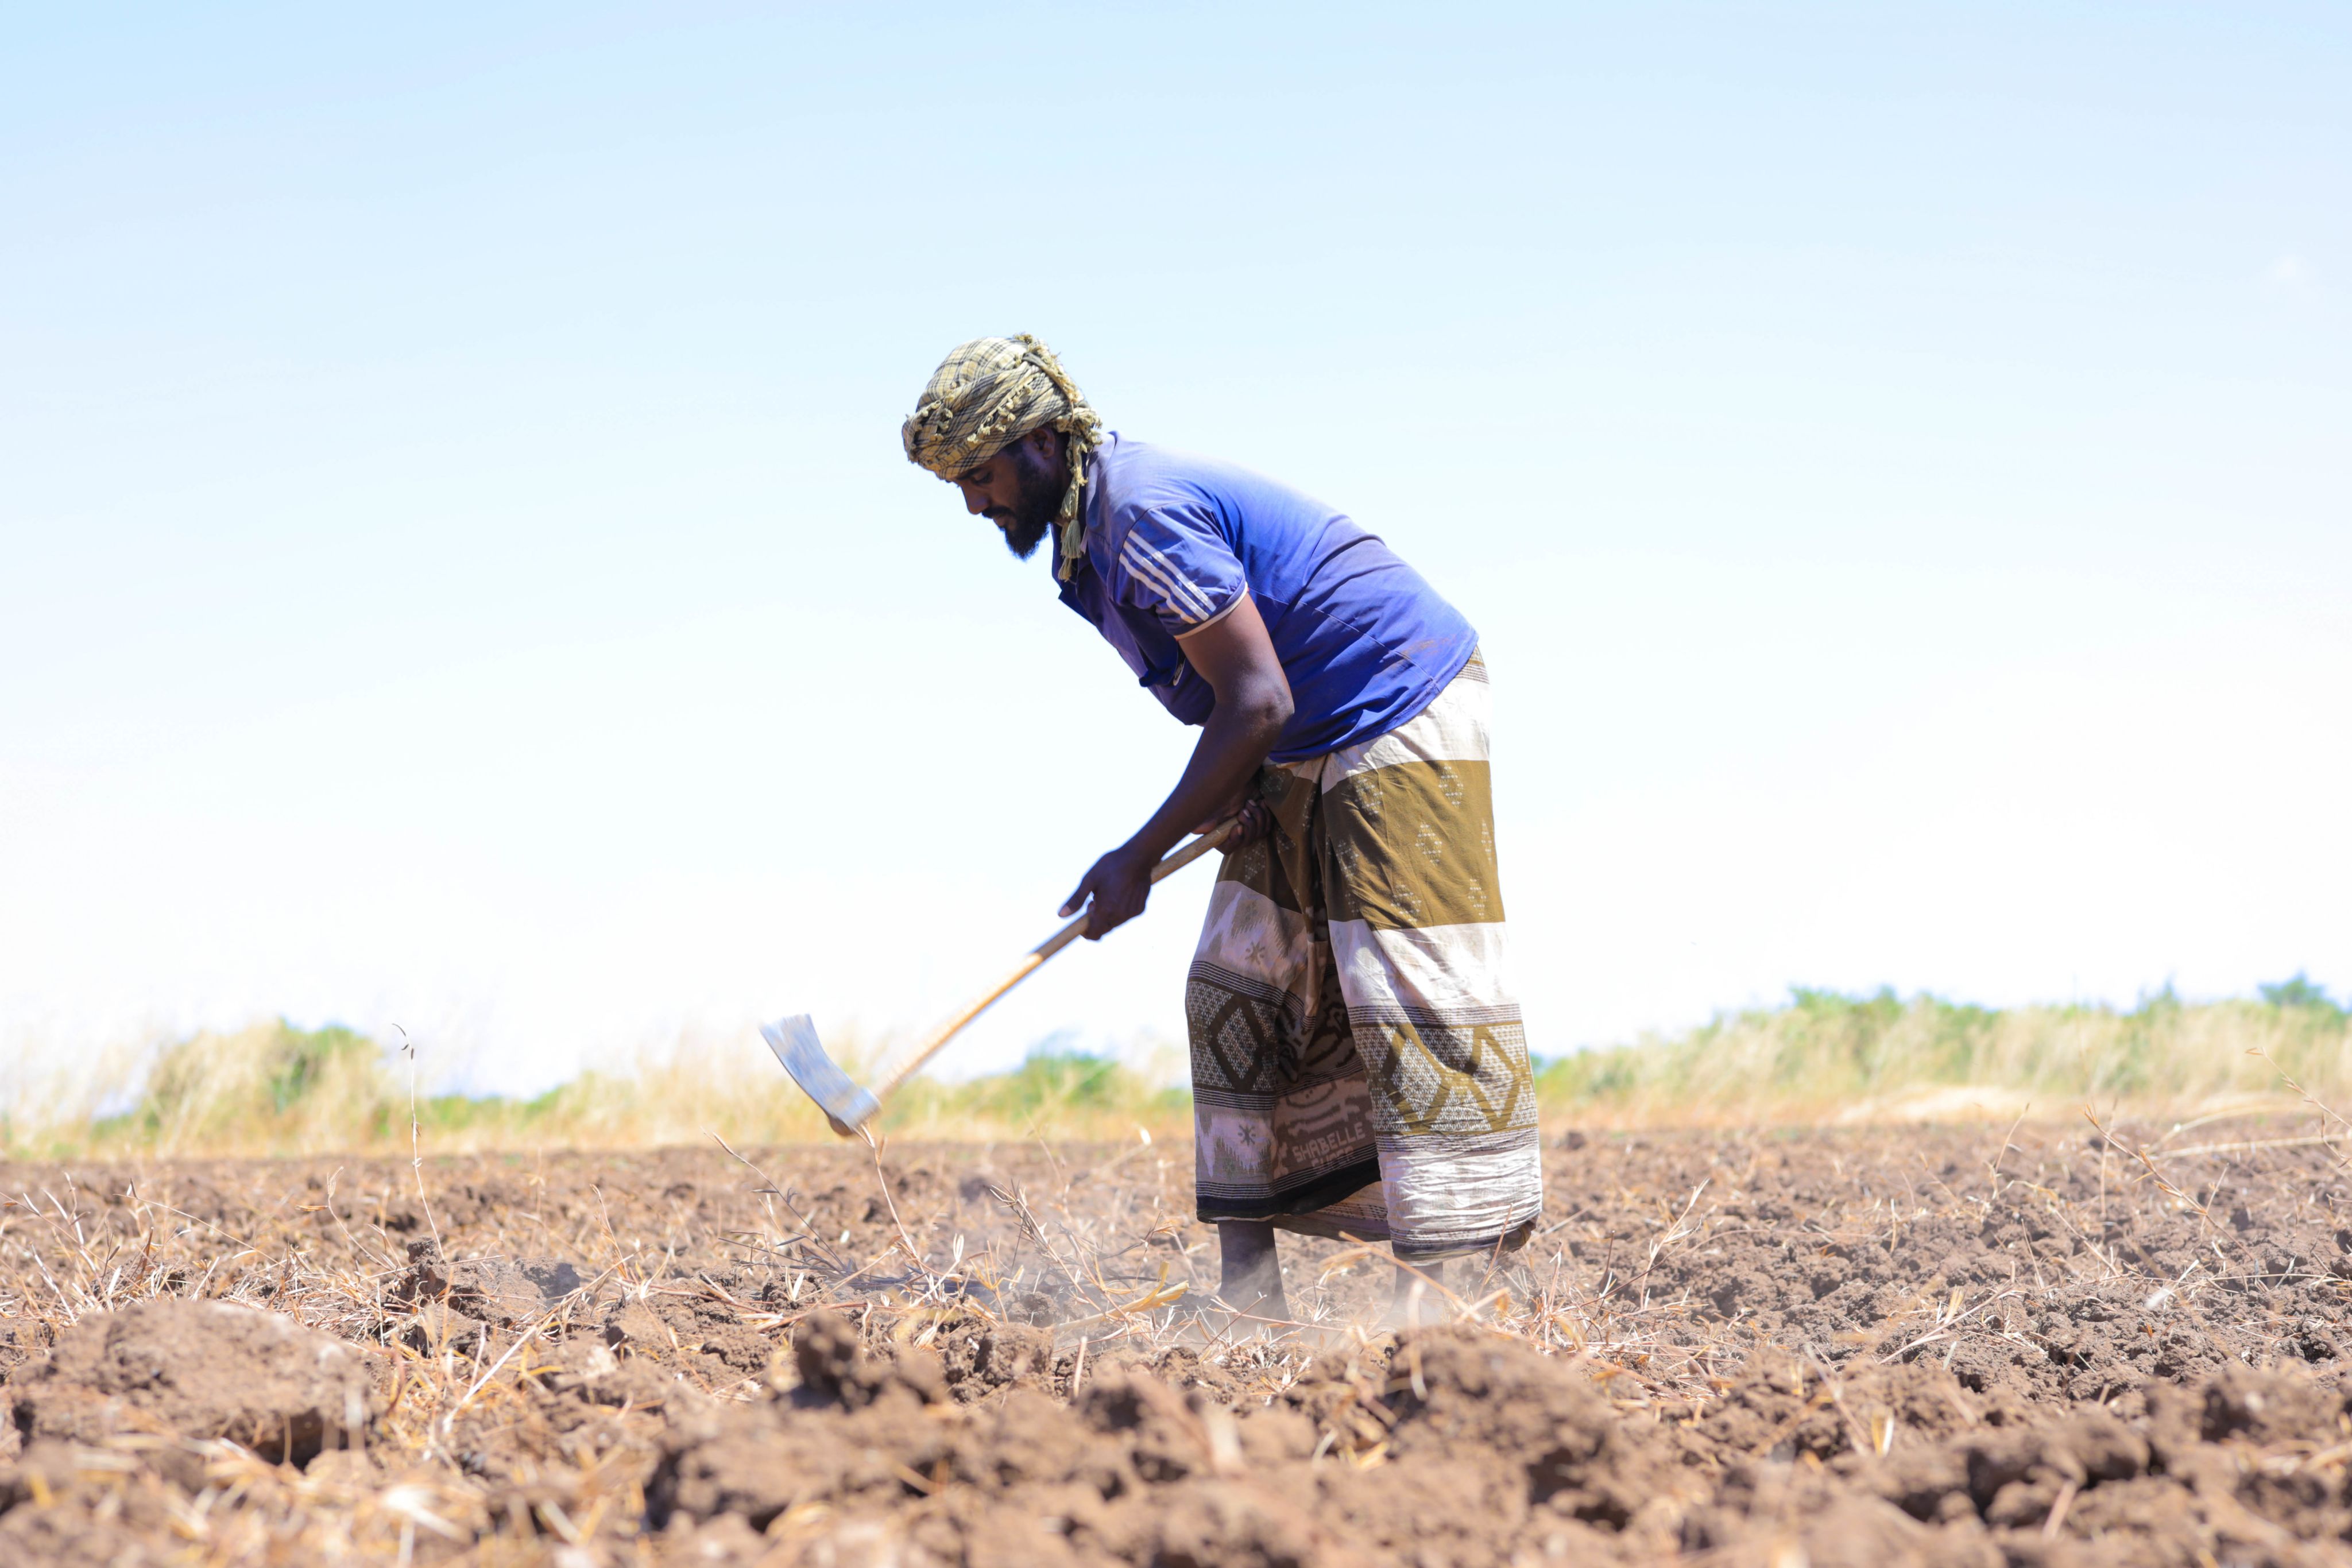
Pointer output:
457, 569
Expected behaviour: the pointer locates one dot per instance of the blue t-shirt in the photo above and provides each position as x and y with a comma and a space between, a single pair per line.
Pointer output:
1172, 541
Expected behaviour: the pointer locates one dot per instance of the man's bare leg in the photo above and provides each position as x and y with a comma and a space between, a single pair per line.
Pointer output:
1252, 1280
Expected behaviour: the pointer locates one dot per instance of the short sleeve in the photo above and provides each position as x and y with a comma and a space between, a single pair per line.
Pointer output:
1174, 563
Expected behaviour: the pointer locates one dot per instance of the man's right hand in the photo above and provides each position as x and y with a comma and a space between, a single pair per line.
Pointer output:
1112, 893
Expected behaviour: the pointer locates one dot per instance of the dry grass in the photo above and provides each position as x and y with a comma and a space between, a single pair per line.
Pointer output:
276, 1089
1822, 1058
1825, 1058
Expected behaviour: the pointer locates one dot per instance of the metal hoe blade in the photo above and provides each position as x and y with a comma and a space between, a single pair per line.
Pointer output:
794, 1041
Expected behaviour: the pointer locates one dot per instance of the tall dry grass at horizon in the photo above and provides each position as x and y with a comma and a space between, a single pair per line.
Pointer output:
271, 1089
1821, 1057
1827, 1058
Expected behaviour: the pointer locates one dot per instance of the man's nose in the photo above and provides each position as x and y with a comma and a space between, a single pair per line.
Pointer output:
974, 501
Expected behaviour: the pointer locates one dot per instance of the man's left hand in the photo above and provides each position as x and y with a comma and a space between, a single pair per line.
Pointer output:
1255, 823
1120, 884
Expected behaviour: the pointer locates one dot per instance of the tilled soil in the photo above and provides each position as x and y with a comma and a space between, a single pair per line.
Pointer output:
1855, 1347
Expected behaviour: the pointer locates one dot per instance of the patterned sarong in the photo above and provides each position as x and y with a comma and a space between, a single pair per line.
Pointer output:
1359, 1066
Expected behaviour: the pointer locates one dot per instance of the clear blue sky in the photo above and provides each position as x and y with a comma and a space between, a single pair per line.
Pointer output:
456, 567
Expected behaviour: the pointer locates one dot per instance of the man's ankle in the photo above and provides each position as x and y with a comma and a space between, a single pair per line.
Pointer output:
1250, 1278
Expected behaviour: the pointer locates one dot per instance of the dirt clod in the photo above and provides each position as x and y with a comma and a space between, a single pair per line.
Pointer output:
199, 1370
502, 1292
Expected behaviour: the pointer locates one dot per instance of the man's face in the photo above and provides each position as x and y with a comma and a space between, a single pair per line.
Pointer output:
1019, 490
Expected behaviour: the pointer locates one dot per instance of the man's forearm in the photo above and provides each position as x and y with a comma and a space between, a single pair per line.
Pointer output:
1232, 748
1236, 657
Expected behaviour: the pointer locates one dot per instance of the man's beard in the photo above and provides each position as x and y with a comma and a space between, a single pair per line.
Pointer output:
1035, 507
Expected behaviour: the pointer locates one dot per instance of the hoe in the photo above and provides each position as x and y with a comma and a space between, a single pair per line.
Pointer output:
849, 1107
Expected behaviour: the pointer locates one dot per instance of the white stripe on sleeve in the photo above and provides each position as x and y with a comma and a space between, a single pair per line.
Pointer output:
1200, 598
1189, 602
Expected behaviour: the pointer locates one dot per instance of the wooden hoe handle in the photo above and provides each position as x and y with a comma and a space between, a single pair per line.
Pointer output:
1177, 860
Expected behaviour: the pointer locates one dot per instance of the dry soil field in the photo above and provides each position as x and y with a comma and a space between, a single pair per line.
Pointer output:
1874, 1348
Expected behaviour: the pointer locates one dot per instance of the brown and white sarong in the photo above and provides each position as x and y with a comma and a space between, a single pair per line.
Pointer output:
1359, 1064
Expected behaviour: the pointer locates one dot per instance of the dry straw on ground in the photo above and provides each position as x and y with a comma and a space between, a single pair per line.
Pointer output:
1858, 1347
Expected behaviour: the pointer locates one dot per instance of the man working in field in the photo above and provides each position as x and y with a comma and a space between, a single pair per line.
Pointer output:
1359, 1066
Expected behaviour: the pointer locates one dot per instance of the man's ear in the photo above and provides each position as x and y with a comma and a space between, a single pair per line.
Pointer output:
1045, 443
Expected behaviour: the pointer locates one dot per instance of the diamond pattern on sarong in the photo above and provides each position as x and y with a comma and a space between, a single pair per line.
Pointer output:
1430, 1078
1249, 1038
1241, 1043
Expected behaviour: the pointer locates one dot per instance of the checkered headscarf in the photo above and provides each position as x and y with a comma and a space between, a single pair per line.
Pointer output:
987, 394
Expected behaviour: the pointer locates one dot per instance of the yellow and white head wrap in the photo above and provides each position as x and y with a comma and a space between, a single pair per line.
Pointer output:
989, 393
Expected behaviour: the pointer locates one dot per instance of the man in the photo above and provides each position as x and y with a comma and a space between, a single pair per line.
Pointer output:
1359, 1066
